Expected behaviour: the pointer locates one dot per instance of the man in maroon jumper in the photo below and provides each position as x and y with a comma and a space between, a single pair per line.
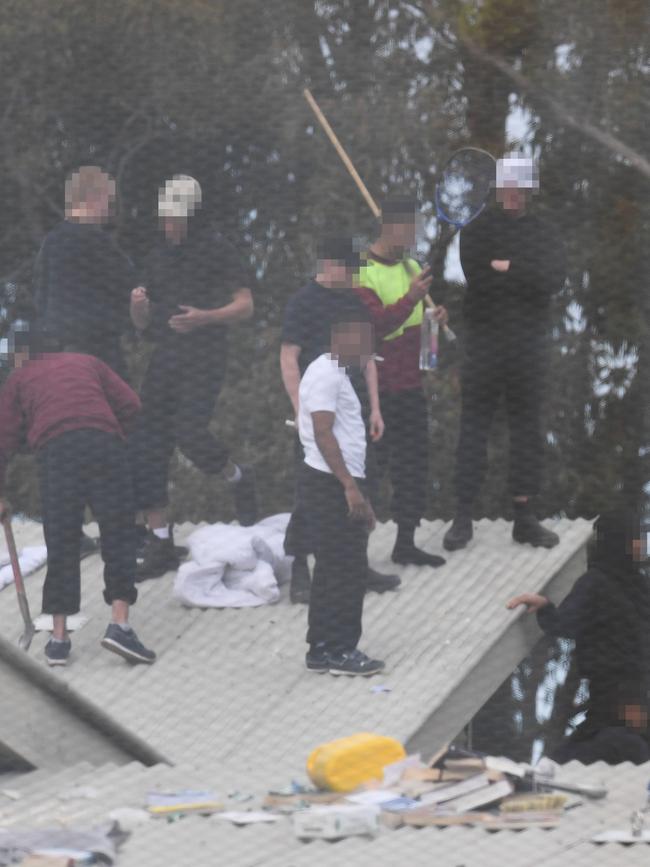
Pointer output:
73, 411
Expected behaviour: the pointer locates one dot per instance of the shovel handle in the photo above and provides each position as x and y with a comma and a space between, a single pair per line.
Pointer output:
13, 554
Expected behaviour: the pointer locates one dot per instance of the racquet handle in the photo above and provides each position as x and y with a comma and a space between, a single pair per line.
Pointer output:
449, 334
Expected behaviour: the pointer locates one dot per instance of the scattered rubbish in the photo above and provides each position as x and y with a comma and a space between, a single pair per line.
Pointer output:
12, 794
372, 797
345, 764
240, 797
45, 861
394, 772
248, 817
336, 822
621, 837
376, 690
183, 801
78, 847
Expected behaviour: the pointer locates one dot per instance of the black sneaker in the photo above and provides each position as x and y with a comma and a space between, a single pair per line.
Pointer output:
89, 546
141, 536
245, 494
317, 659
126, 644
459, 534
353, 663
527, 530
300, 587
57, 652
158, 557
376, 582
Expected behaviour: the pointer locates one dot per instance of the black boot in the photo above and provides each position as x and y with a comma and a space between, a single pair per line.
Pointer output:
528, 530
142, 535
245, 494
377, 582
406, 554
158, 558
460, 532
300, 587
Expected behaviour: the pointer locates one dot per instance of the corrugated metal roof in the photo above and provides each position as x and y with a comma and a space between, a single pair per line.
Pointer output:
230, 685
229, 699
47, 799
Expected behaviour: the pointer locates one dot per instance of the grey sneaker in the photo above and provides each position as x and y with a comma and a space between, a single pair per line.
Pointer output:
126, 644
57, 652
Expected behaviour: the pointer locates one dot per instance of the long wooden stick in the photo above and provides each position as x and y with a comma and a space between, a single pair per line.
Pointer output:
363, 189
338, 147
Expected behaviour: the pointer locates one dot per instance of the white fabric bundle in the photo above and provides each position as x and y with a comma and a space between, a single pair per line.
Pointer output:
30, 558
235, 567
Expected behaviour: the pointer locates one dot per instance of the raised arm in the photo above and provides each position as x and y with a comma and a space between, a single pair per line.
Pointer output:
290, 369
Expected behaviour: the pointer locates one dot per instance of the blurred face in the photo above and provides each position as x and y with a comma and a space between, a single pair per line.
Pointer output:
512, 199
335, 274
352, 344
175, 228
400, 235
639, 548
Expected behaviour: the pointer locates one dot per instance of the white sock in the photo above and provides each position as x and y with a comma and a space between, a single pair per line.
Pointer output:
161, 532
236, 476
123, 626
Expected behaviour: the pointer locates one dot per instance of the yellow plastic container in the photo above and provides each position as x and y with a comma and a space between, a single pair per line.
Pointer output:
345, 764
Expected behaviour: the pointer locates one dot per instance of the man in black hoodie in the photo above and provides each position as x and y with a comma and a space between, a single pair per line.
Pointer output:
513, 261
607, 614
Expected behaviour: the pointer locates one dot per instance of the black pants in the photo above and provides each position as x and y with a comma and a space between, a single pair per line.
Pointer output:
612, 744
296, 540
340, 548
179, 395
76, 469
494, 369
403, 452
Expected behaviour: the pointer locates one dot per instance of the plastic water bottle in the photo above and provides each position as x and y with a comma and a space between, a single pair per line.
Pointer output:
428, 341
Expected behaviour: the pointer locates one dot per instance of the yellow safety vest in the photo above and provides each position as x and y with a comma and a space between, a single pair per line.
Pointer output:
390, 283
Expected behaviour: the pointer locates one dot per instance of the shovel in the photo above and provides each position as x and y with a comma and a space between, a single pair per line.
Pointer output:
26, 638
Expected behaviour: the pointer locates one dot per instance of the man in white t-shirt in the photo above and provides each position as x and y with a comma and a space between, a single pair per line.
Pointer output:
337, 513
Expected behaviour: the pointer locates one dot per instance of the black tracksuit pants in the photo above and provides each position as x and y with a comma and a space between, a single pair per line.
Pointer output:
497, 367
178, 395
341, 562
403, 452
83, 468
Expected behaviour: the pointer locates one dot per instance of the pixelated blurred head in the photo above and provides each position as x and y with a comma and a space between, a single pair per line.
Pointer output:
89, 195
179, 198
621, 537
15, 346
352, 337
516, 177
400, 221
337, 261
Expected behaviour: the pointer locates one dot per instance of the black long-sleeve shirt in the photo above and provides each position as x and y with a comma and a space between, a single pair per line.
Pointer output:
515, 302
608, 617
82, 287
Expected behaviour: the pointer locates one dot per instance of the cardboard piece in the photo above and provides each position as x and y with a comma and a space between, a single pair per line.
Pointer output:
336, 822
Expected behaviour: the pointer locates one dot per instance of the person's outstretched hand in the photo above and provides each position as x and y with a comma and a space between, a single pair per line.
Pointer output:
532, 601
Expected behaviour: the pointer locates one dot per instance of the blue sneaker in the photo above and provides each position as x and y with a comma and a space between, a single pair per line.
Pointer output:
57, 652
126, 644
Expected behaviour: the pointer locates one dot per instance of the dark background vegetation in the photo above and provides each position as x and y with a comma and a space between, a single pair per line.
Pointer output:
147, 88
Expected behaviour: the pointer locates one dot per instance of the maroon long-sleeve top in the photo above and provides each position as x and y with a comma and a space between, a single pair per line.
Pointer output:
59, 392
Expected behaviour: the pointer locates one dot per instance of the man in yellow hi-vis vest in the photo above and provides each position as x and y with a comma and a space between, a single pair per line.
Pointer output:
393, 287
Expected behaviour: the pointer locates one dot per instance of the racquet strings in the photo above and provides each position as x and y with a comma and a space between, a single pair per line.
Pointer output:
465, 185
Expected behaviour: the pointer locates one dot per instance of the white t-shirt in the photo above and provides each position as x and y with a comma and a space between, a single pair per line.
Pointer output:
326, 387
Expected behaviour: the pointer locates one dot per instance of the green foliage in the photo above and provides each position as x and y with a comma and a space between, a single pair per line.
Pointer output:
150, 87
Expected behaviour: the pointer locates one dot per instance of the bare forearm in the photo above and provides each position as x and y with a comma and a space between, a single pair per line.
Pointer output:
290, 379
239, 309
329, 448
372, 385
